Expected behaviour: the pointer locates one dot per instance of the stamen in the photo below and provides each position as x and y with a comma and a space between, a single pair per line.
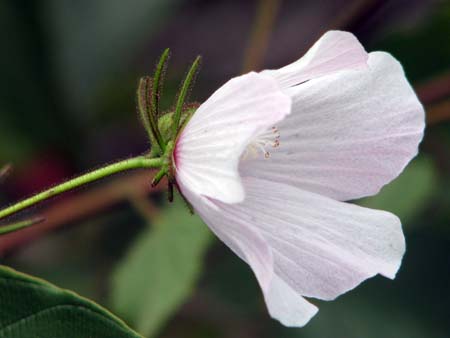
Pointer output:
267, 139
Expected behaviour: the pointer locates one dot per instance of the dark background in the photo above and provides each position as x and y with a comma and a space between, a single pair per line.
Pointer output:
68, 71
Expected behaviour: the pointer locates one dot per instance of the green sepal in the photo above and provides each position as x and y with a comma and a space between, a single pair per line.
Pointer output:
166, 128
148, 117
184, 92
158, 81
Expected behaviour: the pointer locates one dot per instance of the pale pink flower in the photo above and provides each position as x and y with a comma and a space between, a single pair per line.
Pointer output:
268, 159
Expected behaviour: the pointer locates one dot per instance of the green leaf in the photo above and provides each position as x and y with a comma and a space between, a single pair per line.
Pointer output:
30, 307
161, 269
407, 195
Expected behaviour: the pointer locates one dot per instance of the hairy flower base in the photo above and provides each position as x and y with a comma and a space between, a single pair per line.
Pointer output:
347, 123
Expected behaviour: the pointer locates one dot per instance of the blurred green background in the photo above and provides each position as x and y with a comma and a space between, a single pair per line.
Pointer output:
68, 76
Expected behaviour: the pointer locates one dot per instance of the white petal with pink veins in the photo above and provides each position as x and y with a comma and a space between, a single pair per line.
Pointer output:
283, 303
238, 235
286, 305
349, 134
208, 150
320, 247
334, 51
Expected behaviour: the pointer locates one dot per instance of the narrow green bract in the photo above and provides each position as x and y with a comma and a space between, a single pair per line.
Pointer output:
158, 80
182, 96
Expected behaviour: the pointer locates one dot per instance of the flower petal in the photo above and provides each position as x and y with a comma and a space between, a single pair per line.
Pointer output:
349, 133
239, 236
208, 150
283, 303
334, 51
287, 306
321, 247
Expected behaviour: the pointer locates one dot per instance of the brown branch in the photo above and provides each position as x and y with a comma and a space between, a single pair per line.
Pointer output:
81, 205
355, 13
438, 112
435, 95
260, 35
143, 205
435, 89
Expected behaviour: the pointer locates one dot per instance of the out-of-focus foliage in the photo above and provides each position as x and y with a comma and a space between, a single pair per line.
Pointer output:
351, 317
26, 97
424, 51
34, 308
62, 56
94, 41
161, 269
408, 195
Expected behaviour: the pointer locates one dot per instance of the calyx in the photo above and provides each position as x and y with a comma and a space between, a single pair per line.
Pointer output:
163, 129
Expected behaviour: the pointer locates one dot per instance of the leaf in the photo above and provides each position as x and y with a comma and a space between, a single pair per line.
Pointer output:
161, 269
407, 195
30, 307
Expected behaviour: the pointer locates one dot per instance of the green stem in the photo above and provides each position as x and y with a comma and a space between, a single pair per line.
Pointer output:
132, 163
7, 229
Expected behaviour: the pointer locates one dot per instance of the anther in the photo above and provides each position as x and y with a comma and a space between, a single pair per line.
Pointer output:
270, 137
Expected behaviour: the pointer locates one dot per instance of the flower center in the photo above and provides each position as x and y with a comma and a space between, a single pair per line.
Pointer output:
263, 144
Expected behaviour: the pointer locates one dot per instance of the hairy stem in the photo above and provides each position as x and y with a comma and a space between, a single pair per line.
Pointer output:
132, 163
